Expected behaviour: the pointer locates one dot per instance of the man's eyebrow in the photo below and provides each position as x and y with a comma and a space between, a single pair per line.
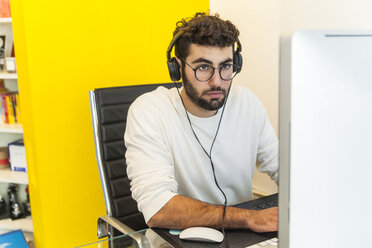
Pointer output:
201, 60
226, 61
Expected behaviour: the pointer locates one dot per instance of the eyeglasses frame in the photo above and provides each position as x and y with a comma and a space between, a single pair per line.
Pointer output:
214, 68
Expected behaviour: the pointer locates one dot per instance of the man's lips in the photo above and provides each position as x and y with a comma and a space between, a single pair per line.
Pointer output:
214, 94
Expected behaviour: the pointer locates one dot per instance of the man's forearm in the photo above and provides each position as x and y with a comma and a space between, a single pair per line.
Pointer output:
183, 212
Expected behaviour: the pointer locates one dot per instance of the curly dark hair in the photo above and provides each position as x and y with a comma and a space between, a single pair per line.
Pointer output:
205, 30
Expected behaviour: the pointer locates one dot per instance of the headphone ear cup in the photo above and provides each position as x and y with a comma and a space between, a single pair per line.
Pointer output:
238, 61
174, 70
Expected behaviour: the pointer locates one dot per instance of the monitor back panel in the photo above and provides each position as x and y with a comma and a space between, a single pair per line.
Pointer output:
325, 191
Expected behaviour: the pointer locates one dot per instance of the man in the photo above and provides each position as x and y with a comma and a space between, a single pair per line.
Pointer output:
186, 151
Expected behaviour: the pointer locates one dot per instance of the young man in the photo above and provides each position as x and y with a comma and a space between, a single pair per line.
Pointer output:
186, 150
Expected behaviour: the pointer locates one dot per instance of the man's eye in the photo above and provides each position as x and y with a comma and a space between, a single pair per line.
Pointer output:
226, 66
203, 67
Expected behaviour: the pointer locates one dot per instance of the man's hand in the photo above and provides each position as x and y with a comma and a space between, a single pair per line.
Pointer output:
265, 220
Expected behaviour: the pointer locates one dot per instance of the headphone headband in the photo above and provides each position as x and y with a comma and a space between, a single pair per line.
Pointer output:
172, 43
238, 46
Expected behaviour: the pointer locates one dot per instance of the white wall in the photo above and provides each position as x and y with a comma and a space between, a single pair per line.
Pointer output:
262, 21
326, 14
258, 23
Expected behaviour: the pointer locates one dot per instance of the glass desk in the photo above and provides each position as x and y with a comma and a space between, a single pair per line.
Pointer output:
146, 238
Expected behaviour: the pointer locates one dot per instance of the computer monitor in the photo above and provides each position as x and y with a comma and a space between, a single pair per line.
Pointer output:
325, 181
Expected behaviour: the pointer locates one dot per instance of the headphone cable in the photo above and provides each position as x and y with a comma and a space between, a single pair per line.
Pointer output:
210, 151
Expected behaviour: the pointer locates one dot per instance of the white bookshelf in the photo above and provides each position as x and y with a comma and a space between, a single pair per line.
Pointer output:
9, 176
11, 128
7, 75
5, 20
24, 223
9, 133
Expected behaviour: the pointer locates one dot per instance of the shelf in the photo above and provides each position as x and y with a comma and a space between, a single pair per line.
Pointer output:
7, 75
11, 128
5, 20
24, 223
9, 176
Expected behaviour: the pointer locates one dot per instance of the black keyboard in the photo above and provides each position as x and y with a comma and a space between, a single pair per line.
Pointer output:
262, 203
266, 205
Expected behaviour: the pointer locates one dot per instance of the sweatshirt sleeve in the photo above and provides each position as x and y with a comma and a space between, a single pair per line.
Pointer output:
149, 160
267, 154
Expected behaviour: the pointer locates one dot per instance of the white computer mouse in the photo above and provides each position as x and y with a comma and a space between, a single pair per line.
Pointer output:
203, 234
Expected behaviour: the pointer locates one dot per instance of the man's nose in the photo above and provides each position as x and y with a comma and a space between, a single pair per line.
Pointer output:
215, 80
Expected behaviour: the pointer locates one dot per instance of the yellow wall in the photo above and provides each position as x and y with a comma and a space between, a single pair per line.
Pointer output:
64, 49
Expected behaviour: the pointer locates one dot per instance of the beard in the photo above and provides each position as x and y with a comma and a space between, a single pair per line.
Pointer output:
213, 104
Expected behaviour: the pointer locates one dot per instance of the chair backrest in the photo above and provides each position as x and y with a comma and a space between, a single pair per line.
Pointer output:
109, 108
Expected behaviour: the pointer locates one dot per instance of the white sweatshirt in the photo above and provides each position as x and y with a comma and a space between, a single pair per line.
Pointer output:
164, 158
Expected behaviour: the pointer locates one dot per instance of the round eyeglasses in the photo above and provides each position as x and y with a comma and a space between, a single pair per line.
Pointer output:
205, 72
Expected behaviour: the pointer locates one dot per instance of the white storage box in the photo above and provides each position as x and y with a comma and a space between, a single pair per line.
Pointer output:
17, 156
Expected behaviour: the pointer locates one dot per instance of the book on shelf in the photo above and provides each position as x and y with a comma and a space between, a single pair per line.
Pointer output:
4, 8
17, 156
9, 108
2, 52
4, 158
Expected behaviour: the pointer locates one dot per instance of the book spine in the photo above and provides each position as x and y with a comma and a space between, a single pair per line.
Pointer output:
11, 119
2, 117
6, 117
14, 105
18, 108
2, 52
4, 159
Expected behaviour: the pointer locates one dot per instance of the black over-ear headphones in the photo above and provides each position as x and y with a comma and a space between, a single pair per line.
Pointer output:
174, 70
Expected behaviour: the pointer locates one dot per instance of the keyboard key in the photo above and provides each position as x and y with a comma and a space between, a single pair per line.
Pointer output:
271, 243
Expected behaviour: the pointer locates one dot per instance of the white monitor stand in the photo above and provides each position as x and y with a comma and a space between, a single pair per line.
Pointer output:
325, 188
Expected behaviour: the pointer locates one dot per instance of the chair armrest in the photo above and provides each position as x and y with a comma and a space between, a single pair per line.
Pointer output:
102, 230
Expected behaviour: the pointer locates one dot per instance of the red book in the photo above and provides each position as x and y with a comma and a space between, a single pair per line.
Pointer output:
4, 8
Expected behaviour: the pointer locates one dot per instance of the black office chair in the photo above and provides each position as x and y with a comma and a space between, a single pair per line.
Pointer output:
109, 108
